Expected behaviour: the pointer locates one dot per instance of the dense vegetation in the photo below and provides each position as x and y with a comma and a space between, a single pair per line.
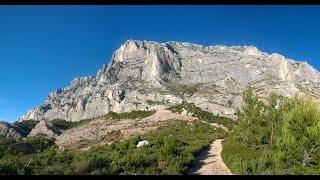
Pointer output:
25, 127
279, 136
129, 115
273, 136
203, 115
172, 150
29, 145
184, 90
155, 102
64, 125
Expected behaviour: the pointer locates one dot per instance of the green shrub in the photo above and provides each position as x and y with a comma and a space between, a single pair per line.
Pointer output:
129, 115
184, 90
280, 136
5, 145
250, 127
243, 160
299, 142
202, 115
172, 150
25, 127
64, 125
31, 145
154, 102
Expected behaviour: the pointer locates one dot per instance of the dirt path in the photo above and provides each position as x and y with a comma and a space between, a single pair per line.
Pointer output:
210, 162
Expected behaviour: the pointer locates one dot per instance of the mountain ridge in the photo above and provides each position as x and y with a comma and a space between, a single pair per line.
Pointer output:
141, 71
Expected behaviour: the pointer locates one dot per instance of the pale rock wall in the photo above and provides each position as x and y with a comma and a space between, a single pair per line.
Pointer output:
142, 71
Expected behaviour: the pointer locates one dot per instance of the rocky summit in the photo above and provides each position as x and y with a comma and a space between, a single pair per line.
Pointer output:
146, 75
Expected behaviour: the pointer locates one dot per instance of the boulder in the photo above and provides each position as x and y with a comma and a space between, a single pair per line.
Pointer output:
142, 143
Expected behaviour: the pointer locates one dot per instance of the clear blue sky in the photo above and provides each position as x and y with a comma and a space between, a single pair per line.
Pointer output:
43, 48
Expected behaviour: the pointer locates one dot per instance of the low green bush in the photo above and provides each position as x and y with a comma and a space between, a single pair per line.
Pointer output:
129, 115
64, 125
203, 115
155, 102
184, 90
25, 127
172, 150
280, 136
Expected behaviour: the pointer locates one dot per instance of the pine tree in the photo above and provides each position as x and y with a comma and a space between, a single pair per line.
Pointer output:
273, 116
250, 116
299, 143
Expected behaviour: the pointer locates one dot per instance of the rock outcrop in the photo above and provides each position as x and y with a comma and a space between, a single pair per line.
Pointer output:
46, 129
102, 131
9, 131
145, 75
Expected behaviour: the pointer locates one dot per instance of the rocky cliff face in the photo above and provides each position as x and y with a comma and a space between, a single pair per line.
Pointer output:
149, 75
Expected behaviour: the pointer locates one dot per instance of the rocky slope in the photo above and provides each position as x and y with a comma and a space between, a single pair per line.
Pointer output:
148, 75
102, 131
9, 131
46, 129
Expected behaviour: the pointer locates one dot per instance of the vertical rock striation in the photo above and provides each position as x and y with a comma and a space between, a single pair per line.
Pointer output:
141, 72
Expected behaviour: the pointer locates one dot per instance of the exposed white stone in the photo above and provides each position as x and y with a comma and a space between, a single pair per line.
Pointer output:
142, 143
142, 71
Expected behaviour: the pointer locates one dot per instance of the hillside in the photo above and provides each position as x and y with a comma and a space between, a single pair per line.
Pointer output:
174, 108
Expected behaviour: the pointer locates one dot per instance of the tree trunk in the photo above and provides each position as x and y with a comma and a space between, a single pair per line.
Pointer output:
271, 137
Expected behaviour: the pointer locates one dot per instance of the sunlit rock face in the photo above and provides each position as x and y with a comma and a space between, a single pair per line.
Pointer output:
141, 72
45, 129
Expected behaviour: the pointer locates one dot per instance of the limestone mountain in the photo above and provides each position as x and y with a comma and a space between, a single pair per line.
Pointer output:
146, 75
